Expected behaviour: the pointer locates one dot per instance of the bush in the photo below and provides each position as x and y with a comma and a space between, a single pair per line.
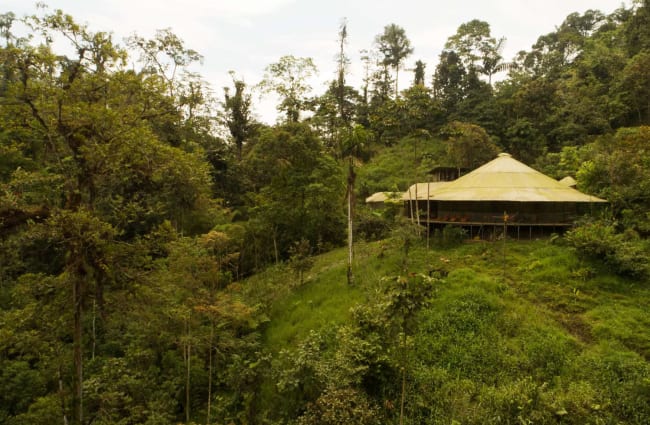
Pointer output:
372, 225
625, 252
453, 235
341, 407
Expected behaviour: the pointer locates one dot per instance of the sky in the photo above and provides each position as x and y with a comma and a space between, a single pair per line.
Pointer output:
245, 36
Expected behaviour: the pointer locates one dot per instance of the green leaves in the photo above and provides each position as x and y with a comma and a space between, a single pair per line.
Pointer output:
288, 78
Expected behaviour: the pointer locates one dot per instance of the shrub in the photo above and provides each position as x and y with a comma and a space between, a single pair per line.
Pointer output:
625, 252
340, 407
453, 235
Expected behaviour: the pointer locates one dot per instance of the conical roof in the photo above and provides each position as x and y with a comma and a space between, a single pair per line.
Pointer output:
506, 179
420, 191
383, 197
569, 181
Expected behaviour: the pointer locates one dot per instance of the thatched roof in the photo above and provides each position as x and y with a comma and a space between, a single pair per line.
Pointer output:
505, 179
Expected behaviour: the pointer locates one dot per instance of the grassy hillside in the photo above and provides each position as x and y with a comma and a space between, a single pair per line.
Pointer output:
532, 336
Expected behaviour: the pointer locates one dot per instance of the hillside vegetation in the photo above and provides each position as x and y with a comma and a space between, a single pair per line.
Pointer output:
521, 332
165, 258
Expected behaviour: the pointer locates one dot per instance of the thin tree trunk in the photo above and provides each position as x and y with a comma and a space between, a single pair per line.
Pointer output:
417, 208
411, 206
275, 247
94, 329
351, 178
77, 297
188, 356
428, 216
401, 409
210, 372
62, 396
396, 76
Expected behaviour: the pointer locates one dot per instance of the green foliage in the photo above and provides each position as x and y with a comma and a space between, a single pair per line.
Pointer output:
397, 167
300, 260
395, 47
288, 78
618, 172
484, 350
122, 297
340, 407
298, 189
468, 145
452, 235
626, 253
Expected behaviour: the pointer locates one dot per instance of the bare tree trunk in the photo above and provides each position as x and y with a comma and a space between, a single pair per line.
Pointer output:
188, 357
210, 372
62, 396
428, 216
94, 329
275, 247
396, 77
417, 209
401, 409
411, 206
77, 297
351, 178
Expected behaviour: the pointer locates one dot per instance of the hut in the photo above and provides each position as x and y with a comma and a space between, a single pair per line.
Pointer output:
502, 191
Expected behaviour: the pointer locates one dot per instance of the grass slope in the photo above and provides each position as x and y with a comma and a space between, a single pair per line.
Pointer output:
536, 334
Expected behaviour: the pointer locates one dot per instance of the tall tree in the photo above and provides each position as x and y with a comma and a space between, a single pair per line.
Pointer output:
237, 109
418, 71
288, 78
477, 48
468, 145
164, 55
84, 123
355, 139
342, 63
395, 47
297, 185
449, 80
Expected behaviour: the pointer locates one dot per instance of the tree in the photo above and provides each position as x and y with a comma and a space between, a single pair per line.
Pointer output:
553, 51
297, 193
84, 122
164, 55
468, 145
333, 115
288, 78
406, 296
342, 62
476, 47
300, 259
395, 47
618, 172
449, 80
633, 88
418, 79
237, 109
355, 139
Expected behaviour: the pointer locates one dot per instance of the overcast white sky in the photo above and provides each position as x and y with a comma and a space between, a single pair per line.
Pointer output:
247, 35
